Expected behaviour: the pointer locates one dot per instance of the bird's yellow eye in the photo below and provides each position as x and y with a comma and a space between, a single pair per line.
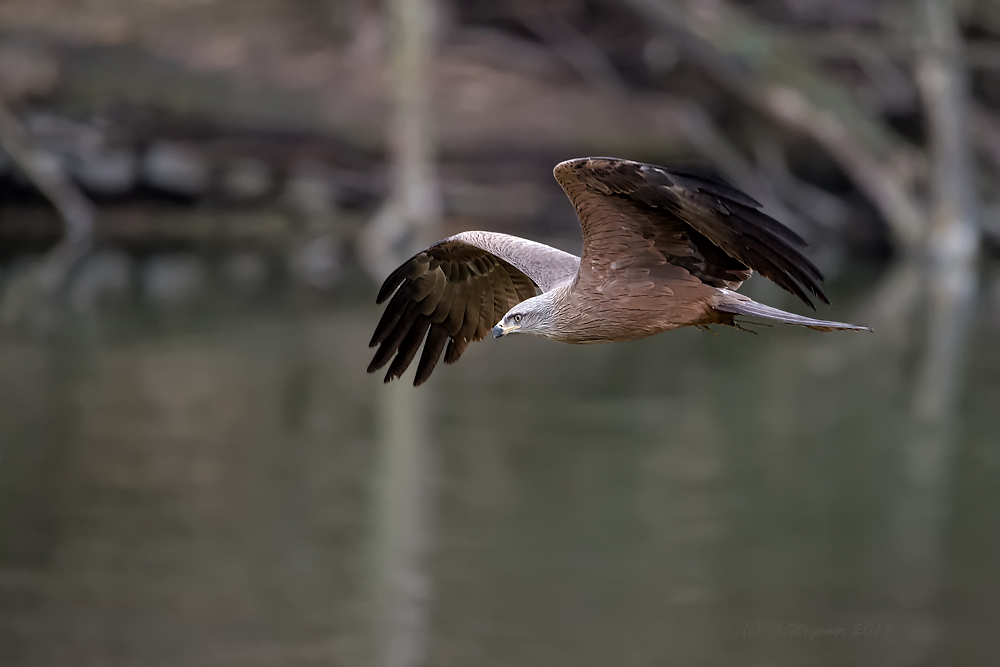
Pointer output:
517, 318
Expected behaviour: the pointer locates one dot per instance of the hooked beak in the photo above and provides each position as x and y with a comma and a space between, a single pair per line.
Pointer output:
499, 331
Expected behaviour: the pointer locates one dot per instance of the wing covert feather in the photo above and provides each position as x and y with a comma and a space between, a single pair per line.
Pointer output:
725, 233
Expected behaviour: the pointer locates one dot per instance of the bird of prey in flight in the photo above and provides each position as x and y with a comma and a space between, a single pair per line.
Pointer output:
662, 249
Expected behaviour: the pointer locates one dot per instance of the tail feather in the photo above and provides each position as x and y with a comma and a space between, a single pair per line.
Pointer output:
755, 309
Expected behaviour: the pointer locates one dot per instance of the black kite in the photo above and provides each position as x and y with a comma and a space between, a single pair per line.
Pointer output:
662, 249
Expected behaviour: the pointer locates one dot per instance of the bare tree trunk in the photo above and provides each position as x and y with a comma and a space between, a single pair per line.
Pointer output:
941, 78
403, 522
409, 220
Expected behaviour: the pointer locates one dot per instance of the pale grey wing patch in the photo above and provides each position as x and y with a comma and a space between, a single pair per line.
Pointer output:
443, 298
545, 266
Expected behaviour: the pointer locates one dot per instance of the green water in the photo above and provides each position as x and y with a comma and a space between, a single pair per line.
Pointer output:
226, 486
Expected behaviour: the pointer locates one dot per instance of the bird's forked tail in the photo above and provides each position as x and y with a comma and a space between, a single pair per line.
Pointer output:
741, 305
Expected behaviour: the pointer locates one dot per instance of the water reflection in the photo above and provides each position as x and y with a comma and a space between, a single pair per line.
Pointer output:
925, 503
402, 527
231, 488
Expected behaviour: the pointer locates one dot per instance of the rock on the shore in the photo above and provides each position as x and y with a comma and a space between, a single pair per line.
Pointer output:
176, 168
106, 171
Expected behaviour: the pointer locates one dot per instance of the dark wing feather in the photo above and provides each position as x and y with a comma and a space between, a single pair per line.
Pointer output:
448, 295
695, 221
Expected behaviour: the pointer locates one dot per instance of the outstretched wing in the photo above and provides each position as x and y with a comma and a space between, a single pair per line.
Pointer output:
638, 214
454, 292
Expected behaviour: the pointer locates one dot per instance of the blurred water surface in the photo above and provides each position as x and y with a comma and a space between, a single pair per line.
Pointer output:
203, 487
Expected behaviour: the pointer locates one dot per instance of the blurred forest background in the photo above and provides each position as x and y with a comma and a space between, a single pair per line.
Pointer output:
198, 197
852, 121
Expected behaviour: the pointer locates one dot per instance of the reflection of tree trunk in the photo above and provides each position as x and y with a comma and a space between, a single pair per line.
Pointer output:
402, 528
923, 507
951, 295
928, 456
894, 304
407, 221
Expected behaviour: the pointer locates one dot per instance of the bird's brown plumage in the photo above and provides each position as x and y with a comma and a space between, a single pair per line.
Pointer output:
714, 231
662, 249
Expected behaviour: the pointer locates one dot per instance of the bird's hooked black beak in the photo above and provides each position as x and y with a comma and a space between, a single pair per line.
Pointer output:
499, 331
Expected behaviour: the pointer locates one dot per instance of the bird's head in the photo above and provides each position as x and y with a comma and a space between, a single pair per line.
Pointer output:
531, 316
